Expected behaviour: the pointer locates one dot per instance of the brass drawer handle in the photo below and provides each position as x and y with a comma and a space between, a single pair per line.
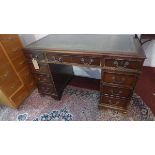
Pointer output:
115, 93
123, 64
87, 61
57, 59
120, 80
113, 103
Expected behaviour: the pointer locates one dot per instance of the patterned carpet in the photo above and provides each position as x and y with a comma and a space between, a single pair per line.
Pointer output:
77, 104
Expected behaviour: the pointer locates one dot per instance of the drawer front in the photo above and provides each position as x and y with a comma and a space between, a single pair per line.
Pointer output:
26, 76
19, 97
120, 79
114, 102
121, 63
116, 91
20, 63
46, 89
43, 68
39, 56
58, 58
12, 45
86, 60
42, 78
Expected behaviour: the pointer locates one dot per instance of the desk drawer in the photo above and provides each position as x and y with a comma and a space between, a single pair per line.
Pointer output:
116, 91
111, 101
123, 63
58, 58
120, 79
43, 68
42, 78
89, 61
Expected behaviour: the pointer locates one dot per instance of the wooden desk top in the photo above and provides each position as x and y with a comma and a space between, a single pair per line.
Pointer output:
97, 44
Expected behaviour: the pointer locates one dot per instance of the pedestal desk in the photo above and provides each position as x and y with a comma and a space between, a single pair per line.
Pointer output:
120, 58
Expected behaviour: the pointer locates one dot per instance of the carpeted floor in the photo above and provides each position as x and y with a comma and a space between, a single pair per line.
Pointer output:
77, 104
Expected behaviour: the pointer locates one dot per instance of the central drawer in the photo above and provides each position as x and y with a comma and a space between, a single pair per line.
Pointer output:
57, 58
74, 59
86, 60
120, 79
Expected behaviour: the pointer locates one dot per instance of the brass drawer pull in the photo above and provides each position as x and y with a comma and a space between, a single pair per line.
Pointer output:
57, 59
115, 93
120, 80
123, 64
87, 61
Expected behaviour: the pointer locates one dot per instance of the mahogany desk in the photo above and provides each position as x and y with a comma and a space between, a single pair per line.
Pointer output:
120, 58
